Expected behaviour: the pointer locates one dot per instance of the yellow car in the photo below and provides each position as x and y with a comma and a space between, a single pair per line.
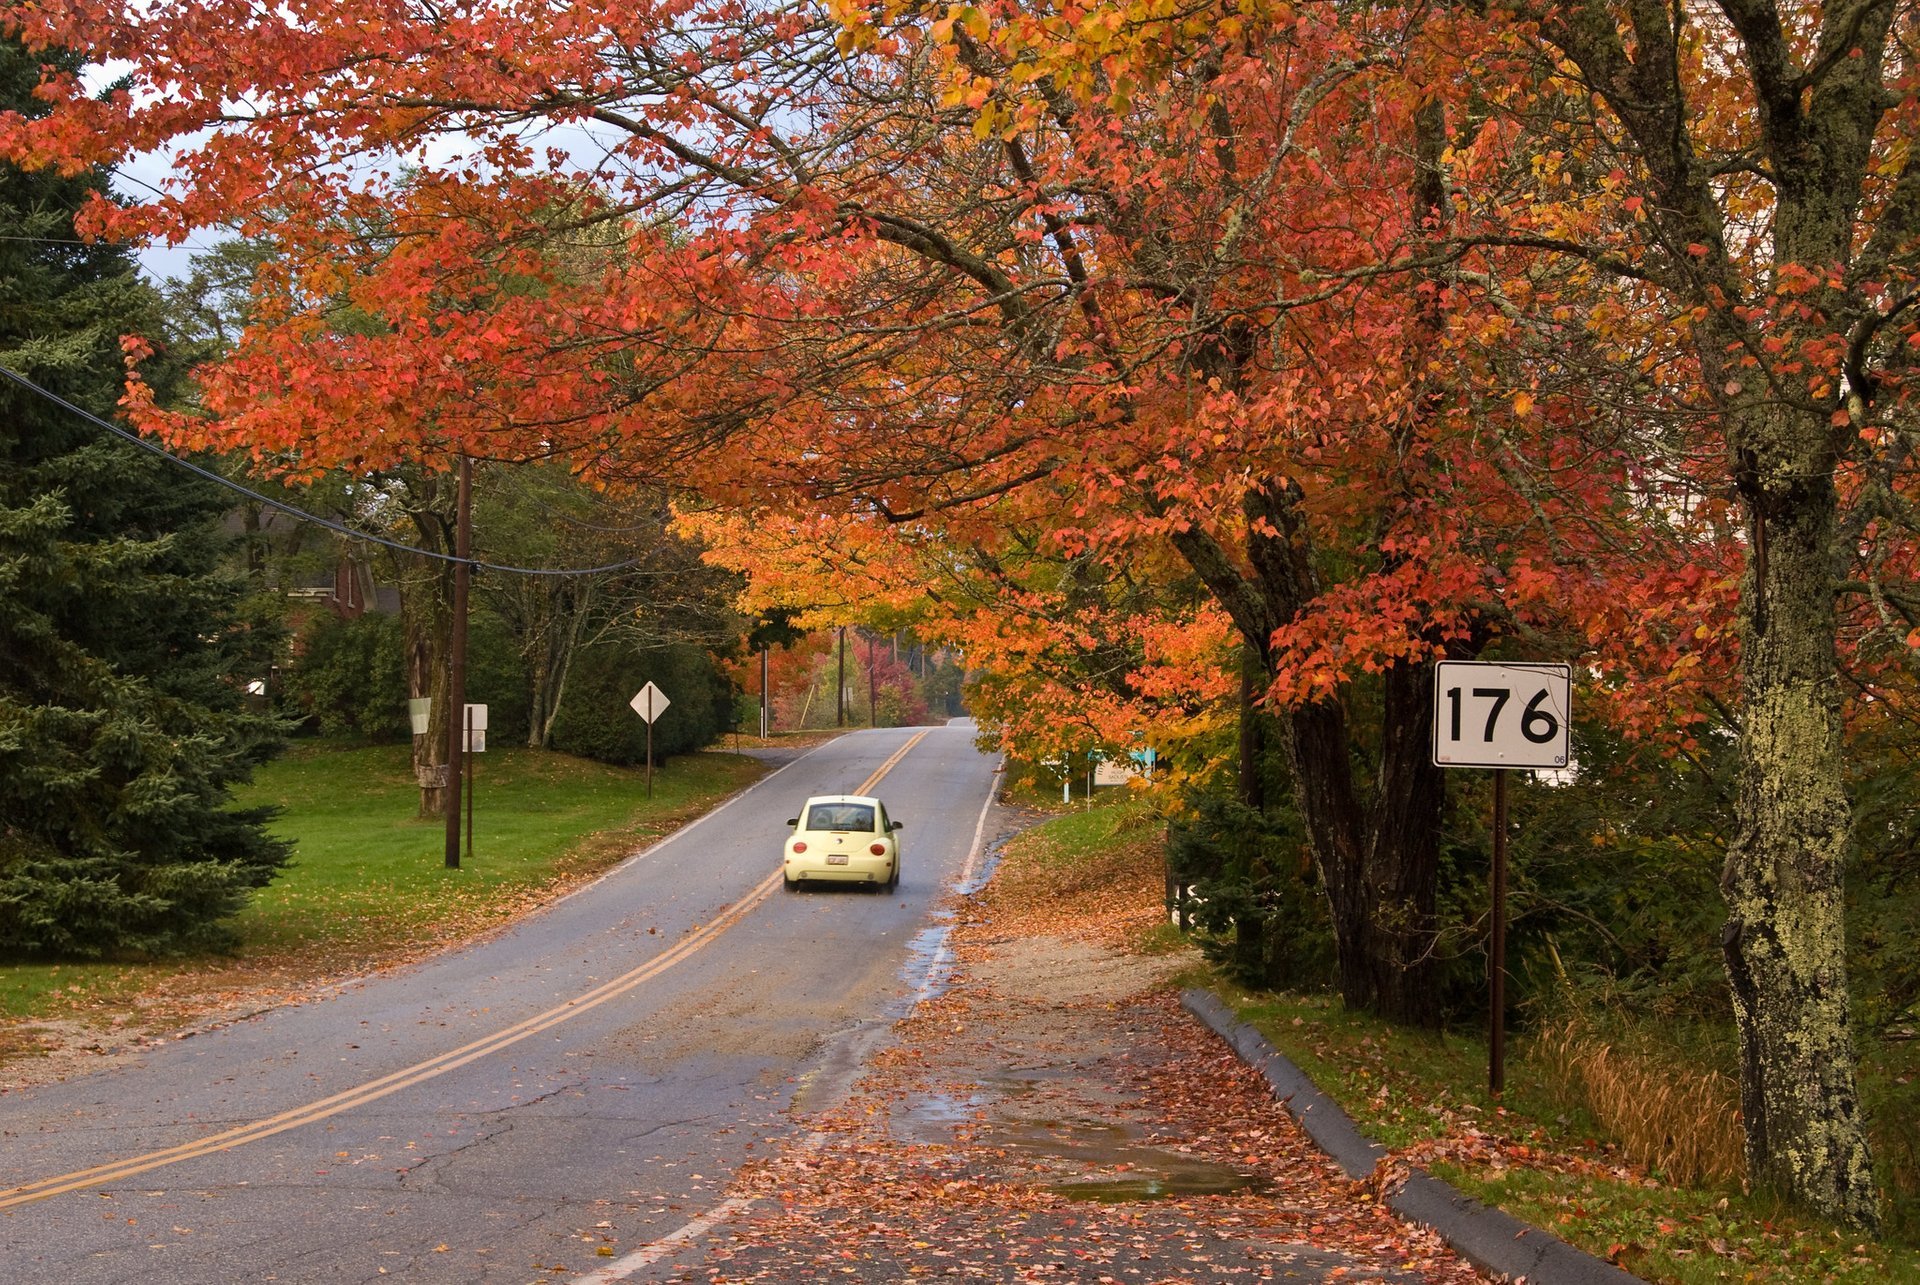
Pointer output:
843, 838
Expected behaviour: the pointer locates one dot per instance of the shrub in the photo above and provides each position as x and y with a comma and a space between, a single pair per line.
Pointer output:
497, 678
1244, 883
596, 720
351, 677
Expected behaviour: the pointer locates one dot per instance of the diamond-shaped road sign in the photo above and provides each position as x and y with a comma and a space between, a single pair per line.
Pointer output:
649, 702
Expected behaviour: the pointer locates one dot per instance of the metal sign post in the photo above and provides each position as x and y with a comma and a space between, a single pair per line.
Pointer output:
649, 703
1501, 716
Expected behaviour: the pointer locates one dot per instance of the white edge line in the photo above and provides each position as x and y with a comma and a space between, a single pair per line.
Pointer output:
620, 1269
980, 826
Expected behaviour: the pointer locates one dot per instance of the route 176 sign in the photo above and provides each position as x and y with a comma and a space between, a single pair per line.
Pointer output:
1498, 715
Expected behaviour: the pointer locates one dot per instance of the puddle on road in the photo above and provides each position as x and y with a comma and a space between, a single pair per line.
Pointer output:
1120, 1166
928, 970
1121, 1189
1117, 1165
929, 967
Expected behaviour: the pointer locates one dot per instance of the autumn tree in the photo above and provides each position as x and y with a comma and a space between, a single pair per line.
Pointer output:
1164, 281
612, 568
1738, 176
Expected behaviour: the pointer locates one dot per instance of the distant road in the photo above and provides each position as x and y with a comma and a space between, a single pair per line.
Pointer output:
556, 1097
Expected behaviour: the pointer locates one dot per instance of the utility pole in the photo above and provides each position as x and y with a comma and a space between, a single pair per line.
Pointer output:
873, 691
457, 663
840, 696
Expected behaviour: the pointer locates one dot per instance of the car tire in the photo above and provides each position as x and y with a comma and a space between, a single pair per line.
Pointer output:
791, 885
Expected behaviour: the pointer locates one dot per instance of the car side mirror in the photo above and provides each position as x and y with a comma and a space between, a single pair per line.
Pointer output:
898, 825
793, 821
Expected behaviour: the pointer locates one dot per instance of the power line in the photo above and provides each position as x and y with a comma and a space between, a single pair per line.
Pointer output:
301, 514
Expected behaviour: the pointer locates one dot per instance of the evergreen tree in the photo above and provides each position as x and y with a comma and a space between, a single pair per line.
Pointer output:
123, 651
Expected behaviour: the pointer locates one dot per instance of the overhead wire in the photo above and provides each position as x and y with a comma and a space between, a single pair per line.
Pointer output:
292, 510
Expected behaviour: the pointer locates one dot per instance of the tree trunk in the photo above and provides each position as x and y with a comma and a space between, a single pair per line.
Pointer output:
1401, 858
539, 720
427, 677
1253, 679
1785, 936
1818, 110
1378, 855
426, 596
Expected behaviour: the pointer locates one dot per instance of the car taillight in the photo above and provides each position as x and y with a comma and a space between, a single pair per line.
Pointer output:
799, 846
878, 849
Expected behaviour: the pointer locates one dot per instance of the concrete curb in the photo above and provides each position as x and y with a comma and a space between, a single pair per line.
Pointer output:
1488, 1238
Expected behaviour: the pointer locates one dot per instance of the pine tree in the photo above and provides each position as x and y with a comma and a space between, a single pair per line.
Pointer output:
123, 648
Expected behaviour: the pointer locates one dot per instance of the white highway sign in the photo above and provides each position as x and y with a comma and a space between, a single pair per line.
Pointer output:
1495, 715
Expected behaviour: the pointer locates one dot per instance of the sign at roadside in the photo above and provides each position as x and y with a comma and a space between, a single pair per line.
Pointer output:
1487, 714
649, 702
1497, 715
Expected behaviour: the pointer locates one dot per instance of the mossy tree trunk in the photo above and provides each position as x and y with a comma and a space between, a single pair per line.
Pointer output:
1813, 89
1785, 936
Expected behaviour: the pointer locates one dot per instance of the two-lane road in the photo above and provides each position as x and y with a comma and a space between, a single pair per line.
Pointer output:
546, 1103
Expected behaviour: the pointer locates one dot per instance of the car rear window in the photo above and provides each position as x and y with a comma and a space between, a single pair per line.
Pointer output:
840, 816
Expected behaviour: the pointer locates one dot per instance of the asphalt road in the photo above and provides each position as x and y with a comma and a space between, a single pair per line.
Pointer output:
563, 1098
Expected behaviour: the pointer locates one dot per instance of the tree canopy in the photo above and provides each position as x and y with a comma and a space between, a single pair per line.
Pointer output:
1136, 335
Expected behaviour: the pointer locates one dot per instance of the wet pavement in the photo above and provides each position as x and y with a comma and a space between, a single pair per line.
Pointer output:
1046, 1111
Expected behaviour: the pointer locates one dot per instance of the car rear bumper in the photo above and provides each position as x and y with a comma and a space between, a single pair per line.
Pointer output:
857, 870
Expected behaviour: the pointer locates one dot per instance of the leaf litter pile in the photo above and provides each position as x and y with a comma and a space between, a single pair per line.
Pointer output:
1054, 1115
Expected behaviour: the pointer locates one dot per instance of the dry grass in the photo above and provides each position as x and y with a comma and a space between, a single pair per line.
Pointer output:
1681, 1122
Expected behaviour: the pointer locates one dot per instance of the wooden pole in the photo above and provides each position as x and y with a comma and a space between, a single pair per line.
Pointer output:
457, 657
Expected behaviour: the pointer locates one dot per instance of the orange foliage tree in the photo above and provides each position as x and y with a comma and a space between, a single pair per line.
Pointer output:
1733, 185
1410, 333
1171, 281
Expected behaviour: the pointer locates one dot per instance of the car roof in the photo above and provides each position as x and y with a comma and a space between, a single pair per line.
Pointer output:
841, 798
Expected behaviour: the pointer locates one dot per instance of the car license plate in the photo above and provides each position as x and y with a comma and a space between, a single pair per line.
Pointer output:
836, 858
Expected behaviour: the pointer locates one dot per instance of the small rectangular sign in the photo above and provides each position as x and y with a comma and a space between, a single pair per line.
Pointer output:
1488, 714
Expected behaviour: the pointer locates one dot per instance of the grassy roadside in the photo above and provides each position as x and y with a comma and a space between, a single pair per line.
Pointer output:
1535, 1152
368, 885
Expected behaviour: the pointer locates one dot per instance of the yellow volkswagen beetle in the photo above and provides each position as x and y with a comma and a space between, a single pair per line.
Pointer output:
843, 838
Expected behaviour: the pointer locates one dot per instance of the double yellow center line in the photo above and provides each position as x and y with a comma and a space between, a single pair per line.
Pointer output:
373, 1090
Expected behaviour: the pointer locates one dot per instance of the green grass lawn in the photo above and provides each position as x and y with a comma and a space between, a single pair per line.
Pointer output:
368, 883
1544, 1160
367, 866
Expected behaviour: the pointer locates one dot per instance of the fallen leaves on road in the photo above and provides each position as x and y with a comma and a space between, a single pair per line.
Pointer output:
1054, 1115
